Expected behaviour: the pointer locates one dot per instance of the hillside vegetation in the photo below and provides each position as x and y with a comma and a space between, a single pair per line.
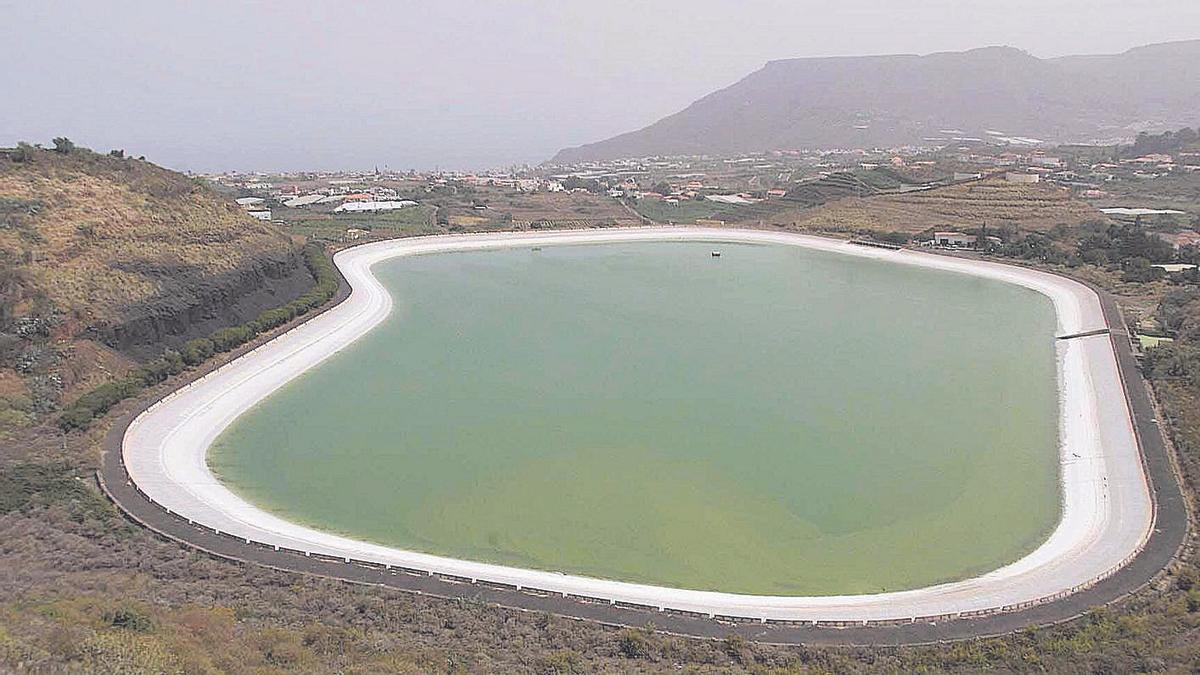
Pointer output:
105, 261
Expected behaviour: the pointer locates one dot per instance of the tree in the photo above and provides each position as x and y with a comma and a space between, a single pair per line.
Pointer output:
23, 153
1140, 270
662, 187
633, 644
63, 145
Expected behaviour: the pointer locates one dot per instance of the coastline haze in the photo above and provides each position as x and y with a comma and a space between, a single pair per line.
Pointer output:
454, 86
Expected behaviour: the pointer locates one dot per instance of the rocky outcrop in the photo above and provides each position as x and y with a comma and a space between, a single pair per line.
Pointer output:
196, 304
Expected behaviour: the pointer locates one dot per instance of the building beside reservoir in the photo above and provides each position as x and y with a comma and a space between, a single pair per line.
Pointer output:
954, 239
1021, 177
370, 206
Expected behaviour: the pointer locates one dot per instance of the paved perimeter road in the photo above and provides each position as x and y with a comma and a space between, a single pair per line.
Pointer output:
1164, 541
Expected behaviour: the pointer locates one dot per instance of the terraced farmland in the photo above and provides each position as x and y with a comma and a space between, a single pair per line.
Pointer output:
995, 203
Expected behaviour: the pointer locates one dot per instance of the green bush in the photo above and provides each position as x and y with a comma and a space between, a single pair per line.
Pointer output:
75, 417
129, 618
171, 363
632, 644
231, 338
197, 351
26, 485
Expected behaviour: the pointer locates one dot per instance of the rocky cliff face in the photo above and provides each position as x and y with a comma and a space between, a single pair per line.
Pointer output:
195, 304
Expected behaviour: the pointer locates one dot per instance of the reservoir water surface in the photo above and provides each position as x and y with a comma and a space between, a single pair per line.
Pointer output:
773, 421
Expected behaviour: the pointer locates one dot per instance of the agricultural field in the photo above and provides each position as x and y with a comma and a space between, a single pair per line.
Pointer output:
459, 208
1179, 191
323, 224
687, 212
994, 203
492, 206
966, 206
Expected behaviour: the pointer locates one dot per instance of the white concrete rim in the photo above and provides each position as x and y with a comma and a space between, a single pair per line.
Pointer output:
1107, 509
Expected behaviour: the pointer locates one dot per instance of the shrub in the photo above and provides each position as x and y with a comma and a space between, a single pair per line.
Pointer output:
563, 661
63, 145
29, 484
197, 351
75, 417
129, 619
231, 338
633, 644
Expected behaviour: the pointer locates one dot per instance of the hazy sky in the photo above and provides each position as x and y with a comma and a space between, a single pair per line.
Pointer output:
442, 83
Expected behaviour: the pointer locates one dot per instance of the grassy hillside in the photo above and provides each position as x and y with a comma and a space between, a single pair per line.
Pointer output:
106, 260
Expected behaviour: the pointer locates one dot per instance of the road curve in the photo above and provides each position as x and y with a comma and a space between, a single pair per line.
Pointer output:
1107, 504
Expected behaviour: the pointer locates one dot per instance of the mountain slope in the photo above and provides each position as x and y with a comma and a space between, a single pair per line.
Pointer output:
894, 100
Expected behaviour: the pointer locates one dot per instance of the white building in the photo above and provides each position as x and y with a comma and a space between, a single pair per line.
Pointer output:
371, 207
953, 239
1018, 177
1047, 162
303, 201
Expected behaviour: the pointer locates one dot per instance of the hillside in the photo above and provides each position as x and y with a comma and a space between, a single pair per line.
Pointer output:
895, 100
105, 261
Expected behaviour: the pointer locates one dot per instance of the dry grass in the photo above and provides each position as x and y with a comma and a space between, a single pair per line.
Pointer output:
98, 250
107, 232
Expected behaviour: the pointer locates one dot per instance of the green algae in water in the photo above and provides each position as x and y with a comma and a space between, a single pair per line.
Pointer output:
773, 421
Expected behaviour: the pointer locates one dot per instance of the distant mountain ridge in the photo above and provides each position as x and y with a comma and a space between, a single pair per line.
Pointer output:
873, 101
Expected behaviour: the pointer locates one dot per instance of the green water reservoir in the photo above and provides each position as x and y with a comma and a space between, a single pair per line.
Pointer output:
772, 421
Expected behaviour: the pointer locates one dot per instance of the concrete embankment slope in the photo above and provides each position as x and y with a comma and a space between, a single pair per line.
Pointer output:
1107, 512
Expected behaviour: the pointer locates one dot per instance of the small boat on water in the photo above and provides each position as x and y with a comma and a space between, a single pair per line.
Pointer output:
537, 248
716, 254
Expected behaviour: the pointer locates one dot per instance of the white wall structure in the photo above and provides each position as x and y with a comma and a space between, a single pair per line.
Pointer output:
1107, 509
361, 207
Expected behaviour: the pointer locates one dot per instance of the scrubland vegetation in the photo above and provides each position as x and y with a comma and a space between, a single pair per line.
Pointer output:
99, 234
